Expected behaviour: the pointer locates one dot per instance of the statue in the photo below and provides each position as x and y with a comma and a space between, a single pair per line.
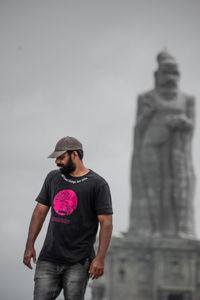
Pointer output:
162, 176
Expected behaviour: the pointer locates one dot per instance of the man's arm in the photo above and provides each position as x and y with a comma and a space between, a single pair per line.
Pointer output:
38, 217
97, 265
145, 110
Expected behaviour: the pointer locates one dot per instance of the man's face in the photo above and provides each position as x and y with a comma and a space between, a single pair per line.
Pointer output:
65, 163
168, 76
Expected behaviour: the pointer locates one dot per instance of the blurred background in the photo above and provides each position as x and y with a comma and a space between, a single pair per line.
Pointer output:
75, 68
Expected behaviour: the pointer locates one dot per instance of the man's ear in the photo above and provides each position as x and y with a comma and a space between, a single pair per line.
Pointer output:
74, 153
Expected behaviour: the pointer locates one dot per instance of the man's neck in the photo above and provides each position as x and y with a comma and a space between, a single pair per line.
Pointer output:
79, 171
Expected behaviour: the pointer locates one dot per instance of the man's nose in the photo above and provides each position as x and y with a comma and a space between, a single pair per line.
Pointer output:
172, 76
57, 160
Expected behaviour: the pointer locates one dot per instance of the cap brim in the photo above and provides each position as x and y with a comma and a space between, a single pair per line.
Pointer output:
55, 154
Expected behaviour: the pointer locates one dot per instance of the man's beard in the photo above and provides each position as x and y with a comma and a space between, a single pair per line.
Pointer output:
168, 89
170, 84
68, 168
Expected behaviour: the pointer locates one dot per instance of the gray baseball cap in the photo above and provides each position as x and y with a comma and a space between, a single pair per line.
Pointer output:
64, 144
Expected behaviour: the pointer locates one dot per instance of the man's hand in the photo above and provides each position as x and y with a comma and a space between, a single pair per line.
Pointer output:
97, 265
96, 268
38, 217
179, 121
28, 254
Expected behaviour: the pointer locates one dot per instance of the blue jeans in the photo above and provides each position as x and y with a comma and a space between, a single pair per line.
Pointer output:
50, 278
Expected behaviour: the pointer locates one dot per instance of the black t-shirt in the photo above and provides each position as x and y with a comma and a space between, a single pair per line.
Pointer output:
75, 204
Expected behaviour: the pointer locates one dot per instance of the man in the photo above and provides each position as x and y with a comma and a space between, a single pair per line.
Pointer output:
162, 175
79, 199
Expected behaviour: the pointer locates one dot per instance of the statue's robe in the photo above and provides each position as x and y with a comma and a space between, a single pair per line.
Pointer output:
162, 176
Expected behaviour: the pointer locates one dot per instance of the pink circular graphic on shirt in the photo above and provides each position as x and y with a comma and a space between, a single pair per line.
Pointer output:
65, 202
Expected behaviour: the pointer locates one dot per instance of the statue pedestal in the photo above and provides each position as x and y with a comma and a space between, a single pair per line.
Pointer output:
151, 269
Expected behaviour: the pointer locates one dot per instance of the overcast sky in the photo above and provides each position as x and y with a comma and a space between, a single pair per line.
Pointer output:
75, 68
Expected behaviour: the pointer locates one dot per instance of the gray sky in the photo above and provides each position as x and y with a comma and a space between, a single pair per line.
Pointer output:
75, 68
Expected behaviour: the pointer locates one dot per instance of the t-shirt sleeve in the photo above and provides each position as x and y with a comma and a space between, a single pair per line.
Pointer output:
44, 195
102, 200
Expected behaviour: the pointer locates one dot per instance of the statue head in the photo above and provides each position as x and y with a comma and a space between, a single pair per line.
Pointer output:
167, 75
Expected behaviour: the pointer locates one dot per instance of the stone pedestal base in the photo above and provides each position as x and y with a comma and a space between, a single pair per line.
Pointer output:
150, 269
